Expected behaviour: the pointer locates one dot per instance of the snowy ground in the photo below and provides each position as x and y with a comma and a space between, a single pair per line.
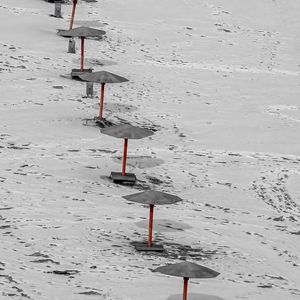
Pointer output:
219, 82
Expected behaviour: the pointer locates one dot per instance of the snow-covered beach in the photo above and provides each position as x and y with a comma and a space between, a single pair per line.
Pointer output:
218, 82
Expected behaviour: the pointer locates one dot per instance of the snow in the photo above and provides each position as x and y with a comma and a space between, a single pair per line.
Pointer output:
218, 81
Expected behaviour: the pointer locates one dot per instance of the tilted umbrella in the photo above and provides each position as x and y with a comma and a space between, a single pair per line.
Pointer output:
125, 132
73, 14
82, 32
187, 270
102, 77
151, 198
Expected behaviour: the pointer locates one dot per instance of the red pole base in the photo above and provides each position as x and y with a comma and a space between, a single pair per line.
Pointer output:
101, 101
124, 157
82, 54
150, 225
185, 288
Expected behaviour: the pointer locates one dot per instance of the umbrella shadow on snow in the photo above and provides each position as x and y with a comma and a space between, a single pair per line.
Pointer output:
114, 107
179, 251
164, 225
195, 296
145, 124
94, 62
150, 183
120, 108
95, 122
173, 250
141, 162
150, 126
91, 23
100, 62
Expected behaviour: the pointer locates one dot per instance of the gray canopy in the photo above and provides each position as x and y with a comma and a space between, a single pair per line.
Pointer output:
153, 197
126, 131
81, 32
102, 77
188, 270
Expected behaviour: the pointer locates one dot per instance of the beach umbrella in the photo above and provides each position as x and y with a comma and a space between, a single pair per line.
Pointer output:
73, 14
151, 198
102, 77
82, 32
187, 270
125, 132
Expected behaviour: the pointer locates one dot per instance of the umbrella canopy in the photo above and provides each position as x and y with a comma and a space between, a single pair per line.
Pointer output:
83, 32
103, 77
187, 270
153, 198
126, 131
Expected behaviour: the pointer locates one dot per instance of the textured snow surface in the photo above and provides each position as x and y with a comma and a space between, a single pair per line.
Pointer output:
218, 82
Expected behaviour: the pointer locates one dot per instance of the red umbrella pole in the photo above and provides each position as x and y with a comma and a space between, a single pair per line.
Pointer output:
82, 54
185, 288
150, 225
124, 157
101, 101
73, 14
